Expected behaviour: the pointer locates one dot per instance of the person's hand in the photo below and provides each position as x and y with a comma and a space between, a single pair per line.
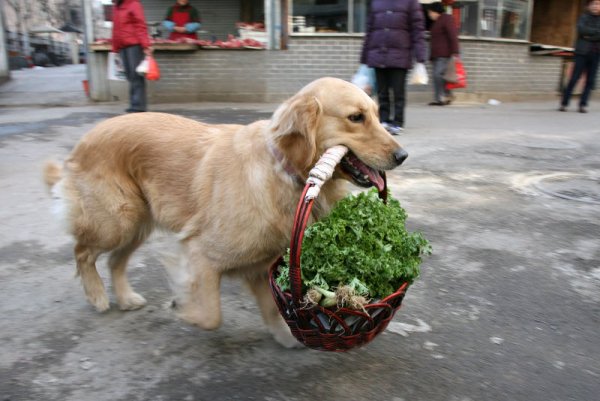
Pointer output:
148, 51
180, 29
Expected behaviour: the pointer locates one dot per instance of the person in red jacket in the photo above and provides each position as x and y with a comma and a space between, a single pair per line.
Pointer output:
131, 40
444, 46
182, 20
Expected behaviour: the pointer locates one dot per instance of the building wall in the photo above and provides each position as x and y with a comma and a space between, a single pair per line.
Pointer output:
503, 70
30, 14
504, 67
210, 75
553, 22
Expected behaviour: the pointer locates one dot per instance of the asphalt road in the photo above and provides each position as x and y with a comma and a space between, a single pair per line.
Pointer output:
507, 307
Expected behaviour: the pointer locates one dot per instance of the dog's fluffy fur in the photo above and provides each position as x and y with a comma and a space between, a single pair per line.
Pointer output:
228, 191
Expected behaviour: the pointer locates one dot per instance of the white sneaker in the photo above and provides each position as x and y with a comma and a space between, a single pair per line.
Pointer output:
392, 129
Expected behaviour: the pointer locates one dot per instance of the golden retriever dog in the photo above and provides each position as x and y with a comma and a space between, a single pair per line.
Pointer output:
229, 192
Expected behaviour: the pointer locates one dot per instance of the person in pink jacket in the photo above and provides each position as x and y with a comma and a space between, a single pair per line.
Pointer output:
131, 40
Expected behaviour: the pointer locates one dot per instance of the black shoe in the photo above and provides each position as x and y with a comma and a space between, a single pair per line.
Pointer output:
582, 109
437, 104
562, 108
132, 110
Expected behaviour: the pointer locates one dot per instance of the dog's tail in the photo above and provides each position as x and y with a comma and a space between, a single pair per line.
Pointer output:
52, 174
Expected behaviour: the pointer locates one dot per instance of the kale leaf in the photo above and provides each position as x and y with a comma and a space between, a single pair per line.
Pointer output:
362, 239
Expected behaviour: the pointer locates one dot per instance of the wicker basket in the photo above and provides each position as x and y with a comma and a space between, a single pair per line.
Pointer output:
317, 327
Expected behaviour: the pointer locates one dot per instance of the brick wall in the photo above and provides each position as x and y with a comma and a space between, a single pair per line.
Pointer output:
308, 59
494, 69
508, 68
503, 70
499, 69
211, 75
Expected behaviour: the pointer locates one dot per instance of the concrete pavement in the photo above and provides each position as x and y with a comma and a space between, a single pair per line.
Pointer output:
40, 86
507, 307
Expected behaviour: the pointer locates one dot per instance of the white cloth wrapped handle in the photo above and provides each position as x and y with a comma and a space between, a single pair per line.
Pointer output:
323, 170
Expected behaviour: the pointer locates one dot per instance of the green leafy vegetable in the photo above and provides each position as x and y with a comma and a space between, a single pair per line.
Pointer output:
363, 246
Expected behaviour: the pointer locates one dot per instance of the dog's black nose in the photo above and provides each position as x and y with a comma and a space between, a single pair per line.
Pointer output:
400, 155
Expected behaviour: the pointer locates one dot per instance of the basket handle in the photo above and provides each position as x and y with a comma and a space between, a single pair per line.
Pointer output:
319, 174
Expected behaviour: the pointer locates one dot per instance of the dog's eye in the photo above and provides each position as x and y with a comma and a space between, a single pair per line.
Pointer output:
357, 118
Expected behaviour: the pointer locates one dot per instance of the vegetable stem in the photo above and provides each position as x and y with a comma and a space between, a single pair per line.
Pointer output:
329, 298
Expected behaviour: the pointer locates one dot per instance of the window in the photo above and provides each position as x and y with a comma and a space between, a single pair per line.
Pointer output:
515, 16
493, 18
328, 16
466, 16
478, 18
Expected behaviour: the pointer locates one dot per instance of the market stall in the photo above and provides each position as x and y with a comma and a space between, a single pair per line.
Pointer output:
299, 41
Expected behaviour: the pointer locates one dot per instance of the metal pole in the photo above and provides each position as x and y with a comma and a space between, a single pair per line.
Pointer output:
25, 29
88, 36
4, 66
284, 24
350, 28
270, 23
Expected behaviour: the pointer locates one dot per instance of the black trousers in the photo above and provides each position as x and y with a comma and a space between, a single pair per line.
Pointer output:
132, 56
391, 94
583, 63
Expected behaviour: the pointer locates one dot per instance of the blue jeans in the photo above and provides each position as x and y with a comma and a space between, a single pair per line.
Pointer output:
583, 63
132, 56
439, 83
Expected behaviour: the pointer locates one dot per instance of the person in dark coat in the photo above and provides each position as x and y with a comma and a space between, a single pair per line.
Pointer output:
444, 46
131, 40
587, 55
395, 37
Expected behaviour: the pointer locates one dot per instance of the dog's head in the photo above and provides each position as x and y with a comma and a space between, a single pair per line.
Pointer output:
329, 112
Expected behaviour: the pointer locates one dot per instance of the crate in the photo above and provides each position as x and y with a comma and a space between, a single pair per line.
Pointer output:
260, 36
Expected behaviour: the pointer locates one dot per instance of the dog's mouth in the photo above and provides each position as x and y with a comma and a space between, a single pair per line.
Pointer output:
361, 174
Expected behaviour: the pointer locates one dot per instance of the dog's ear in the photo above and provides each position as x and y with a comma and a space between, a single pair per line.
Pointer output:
296, 121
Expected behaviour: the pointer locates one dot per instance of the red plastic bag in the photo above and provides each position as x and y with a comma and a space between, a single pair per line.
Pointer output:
461, 75
153, 73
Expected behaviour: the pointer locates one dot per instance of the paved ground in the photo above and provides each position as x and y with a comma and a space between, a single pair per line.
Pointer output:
507, 307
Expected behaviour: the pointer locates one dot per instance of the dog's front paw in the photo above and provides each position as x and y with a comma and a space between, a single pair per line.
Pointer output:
284, 336
99, 301
132, 301
197, 316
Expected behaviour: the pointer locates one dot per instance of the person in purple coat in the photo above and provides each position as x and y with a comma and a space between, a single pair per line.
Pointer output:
444, 46
395, 37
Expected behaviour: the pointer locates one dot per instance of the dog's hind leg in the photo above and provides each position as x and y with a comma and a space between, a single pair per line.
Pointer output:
108, 224
126, 297
259, 285
92, 283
